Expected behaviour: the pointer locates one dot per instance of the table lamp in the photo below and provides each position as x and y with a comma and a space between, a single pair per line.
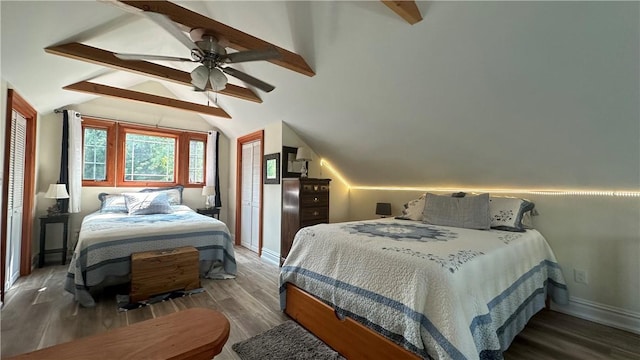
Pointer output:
56, 191
303, 154
383, 209
208, 192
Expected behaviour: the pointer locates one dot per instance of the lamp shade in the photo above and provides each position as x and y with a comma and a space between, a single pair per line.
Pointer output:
303, 154
57, 191
208, 190
383, 209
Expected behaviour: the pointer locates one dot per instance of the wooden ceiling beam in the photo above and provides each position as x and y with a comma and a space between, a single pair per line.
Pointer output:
106, 58
99, 89
408, 10
237, 39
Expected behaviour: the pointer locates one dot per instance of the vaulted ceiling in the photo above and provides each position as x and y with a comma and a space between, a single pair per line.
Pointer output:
475, 94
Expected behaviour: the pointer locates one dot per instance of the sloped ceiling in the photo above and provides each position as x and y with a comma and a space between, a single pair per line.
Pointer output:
514, 94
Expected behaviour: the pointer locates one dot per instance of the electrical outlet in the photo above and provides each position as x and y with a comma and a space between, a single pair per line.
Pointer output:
580, 276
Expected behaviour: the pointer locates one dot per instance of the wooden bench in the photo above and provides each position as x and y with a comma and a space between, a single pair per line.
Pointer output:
195, 333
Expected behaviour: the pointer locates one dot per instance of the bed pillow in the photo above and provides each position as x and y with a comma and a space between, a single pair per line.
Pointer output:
174, 193
413, 209
507, 213
147, 203
112, 203
471, 212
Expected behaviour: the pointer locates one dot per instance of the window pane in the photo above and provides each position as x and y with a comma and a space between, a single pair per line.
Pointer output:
196, 161
95, 154
149, 158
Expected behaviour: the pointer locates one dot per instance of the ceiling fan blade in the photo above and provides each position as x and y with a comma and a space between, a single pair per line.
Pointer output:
174, 30
249, 79
149, 57
251, 55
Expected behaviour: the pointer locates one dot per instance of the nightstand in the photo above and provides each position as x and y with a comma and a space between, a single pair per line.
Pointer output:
211, 212
53, 219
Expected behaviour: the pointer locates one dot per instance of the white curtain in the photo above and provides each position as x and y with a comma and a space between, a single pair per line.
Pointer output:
210, 162
75, 161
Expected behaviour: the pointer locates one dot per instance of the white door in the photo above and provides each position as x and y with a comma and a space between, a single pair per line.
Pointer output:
15, 196
250, 190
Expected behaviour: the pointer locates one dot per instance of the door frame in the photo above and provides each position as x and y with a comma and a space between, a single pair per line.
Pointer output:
255, 136
17, 103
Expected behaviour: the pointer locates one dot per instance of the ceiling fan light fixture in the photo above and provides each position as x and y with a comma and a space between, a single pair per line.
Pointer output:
199, 77
218, 80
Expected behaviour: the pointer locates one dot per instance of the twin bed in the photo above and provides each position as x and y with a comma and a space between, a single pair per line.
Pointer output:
392, 288
109, 236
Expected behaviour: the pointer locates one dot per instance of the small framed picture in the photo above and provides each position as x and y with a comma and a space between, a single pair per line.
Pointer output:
271, 168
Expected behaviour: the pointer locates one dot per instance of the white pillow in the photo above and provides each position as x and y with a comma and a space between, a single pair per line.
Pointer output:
507, 213
147, 203
413, 209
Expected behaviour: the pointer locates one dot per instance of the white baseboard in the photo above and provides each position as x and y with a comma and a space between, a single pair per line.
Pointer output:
270, 256
601, 313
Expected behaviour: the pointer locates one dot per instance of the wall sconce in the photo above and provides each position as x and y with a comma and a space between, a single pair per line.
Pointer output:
304, 155
56, 191
208, 192
383, 209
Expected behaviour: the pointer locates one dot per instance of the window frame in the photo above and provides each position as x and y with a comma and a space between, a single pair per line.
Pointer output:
185, 149
142, 130
116, 137
110, 127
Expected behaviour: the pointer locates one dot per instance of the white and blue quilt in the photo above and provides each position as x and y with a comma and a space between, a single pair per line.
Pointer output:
440, 292
107, 240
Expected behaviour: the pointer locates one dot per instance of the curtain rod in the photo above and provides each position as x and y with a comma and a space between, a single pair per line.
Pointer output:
59, 111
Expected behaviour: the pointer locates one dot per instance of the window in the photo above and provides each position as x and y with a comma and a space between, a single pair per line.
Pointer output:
196, 161
145, 156
99, 152
149, 158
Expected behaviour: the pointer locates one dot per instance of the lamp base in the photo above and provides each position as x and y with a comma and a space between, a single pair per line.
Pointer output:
303, 172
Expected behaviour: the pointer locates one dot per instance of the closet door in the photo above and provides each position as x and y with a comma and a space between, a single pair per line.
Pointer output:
250, 203
255, 197
15, 196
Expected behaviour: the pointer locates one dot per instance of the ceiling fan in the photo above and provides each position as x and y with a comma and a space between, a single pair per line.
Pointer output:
206, 49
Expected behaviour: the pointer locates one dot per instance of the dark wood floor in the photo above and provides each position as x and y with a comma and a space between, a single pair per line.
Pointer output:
37, 313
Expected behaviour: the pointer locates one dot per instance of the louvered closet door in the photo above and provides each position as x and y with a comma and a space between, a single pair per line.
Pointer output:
15, 196
255, 197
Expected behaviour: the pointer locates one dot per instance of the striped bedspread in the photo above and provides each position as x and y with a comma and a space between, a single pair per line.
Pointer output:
440, 292
106, 242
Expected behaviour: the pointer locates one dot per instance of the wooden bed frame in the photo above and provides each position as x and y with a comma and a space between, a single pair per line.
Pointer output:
348, 337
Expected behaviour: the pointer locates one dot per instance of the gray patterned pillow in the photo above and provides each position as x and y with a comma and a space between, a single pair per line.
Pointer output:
174, 193
471, 212
147, 203
413, 209
112, 203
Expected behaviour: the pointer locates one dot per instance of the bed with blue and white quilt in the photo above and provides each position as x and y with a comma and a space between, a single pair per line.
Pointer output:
107, 240
440, 292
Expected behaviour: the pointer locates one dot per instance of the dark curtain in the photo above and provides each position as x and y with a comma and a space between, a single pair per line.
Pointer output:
218, 202
63, 204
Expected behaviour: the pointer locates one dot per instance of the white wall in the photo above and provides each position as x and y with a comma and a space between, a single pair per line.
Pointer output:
599, 234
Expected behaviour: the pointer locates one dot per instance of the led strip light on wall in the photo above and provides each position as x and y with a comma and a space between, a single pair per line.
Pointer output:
551, 192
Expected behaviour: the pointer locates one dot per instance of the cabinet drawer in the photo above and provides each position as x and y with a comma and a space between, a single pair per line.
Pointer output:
319, 213
314, 188
313, 222
311, 200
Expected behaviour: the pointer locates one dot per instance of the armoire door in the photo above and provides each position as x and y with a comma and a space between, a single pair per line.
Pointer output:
15, 196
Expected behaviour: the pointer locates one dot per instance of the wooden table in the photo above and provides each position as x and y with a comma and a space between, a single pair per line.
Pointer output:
53, 219
195, 333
